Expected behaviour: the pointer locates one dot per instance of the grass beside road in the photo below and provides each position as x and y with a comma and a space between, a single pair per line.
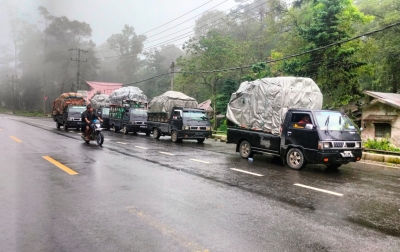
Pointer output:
38, 113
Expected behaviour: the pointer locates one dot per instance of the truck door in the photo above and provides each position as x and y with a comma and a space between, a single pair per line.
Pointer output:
301, 133
176, 119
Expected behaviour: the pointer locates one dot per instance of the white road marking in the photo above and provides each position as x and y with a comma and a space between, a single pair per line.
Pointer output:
140, 147
71, 131
121, 143
320, 190
79, 133
166, 153
370, 163
255, 174
106, 139
199, 161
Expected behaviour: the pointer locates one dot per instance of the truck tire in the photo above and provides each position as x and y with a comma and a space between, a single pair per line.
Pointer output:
125, 130
295, 159
245, 149
156, 133
200, 140
174, 136
58, 125
65, 126
333, 166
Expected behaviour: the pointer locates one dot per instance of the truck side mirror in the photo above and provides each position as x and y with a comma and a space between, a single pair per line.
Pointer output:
309, 126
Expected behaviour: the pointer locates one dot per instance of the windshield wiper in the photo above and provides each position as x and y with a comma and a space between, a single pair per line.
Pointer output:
327, 123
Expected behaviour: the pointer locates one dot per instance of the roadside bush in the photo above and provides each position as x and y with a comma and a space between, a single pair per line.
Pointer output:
223, 126
383, 144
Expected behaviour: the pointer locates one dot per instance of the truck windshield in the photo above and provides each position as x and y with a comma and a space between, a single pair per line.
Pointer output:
195, 115
106, 111
79, 109
333, 120
138, 112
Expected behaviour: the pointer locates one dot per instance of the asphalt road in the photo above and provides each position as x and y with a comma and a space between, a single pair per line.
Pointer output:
140, 194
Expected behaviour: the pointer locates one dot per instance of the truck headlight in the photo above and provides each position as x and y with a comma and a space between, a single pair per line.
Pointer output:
186, 128
324, 145
358, 145
70, 118
208, 128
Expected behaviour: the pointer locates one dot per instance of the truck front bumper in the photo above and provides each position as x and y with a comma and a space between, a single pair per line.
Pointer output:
339, 156
74, 124
138, 128
194, 134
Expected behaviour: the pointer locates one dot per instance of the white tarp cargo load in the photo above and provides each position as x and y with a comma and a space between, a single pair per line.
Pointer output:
261, 104
127, 93
170, 99
101, 100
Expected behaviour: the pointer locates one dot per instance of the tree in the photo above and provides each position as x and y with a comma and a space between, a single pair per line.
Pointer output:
211, 52
326, 22
128, 45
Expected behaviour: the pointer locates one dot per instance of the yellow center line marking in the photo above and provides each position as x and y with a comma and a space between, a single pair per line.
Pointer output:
140, 147
168, 231
255, 174
61, 166
199, 161
320, 190
15, 139
166, 153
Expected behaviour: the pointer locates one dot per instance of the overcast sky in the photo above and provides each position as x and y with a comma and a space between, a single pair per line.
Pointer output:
107, 17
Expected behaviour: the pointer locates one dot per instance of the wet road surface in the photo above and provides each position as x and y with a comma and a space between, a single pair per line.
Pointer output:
140, 194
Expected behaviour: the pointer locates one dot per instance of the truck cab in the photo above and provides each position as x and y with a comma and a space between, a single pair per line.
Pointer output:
183, 123
129, 118
328, 137
71, 118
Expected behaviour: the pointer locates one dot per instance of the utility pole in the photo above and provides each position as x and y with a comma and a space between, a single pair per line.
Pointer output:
172, 75
78, 79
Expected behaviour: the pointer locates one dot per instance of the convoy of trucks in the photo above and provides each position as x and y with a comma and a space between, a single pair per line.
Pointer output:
280, 116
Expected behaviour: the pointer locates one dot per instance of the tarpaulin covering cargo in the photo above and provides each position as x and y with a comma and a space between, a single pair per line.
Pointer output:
100, 100
170, 99
261, 104
127, 93
66, 99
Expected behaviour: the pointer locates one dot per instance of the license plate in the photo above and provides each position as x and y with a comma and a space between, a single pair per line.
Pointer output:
143, 126
347, 154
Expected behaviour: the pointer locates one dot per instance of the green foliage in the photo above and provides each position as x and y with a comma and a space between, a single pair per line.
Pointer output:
223, 126
383, 144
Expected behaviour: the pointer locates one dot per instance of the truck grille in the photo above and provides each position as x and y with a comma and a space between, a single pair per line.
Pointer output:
140, 123
197, 127
344, 144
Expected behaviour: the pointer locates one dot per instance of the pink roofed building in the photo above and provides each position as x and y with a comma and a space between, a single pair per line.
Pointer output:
103, 87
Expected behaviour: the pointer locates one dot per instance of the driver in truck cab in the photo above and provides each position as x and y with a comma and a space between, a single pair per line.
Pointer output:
88, 116
305, 119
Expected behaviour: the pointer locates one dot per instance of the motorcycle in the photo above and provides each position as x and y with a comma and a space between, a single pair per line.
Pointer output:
94, 133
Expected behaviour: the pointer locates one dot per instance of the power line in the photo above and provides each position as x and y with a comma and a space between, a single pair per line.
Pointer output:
170, 22
277, 60
185, 34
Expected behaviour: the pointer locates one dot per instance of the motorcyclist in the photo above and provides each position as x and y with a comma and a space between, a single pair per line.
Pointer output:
88, 116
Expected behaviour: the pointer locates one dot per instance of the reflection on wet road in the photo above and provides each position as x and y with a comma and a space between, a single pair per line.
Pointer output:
180, 193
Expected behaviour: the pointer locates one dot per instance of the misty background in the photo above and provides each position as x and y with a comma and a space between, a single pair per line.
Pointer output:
345, 46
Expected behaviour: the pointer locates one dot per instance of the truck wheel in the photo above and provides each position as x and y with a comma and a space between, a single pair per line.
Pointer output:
58, 125
174, 136
295, 159
333, 166
156, 133
125, 130
245, 149
65, 126
200, 140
